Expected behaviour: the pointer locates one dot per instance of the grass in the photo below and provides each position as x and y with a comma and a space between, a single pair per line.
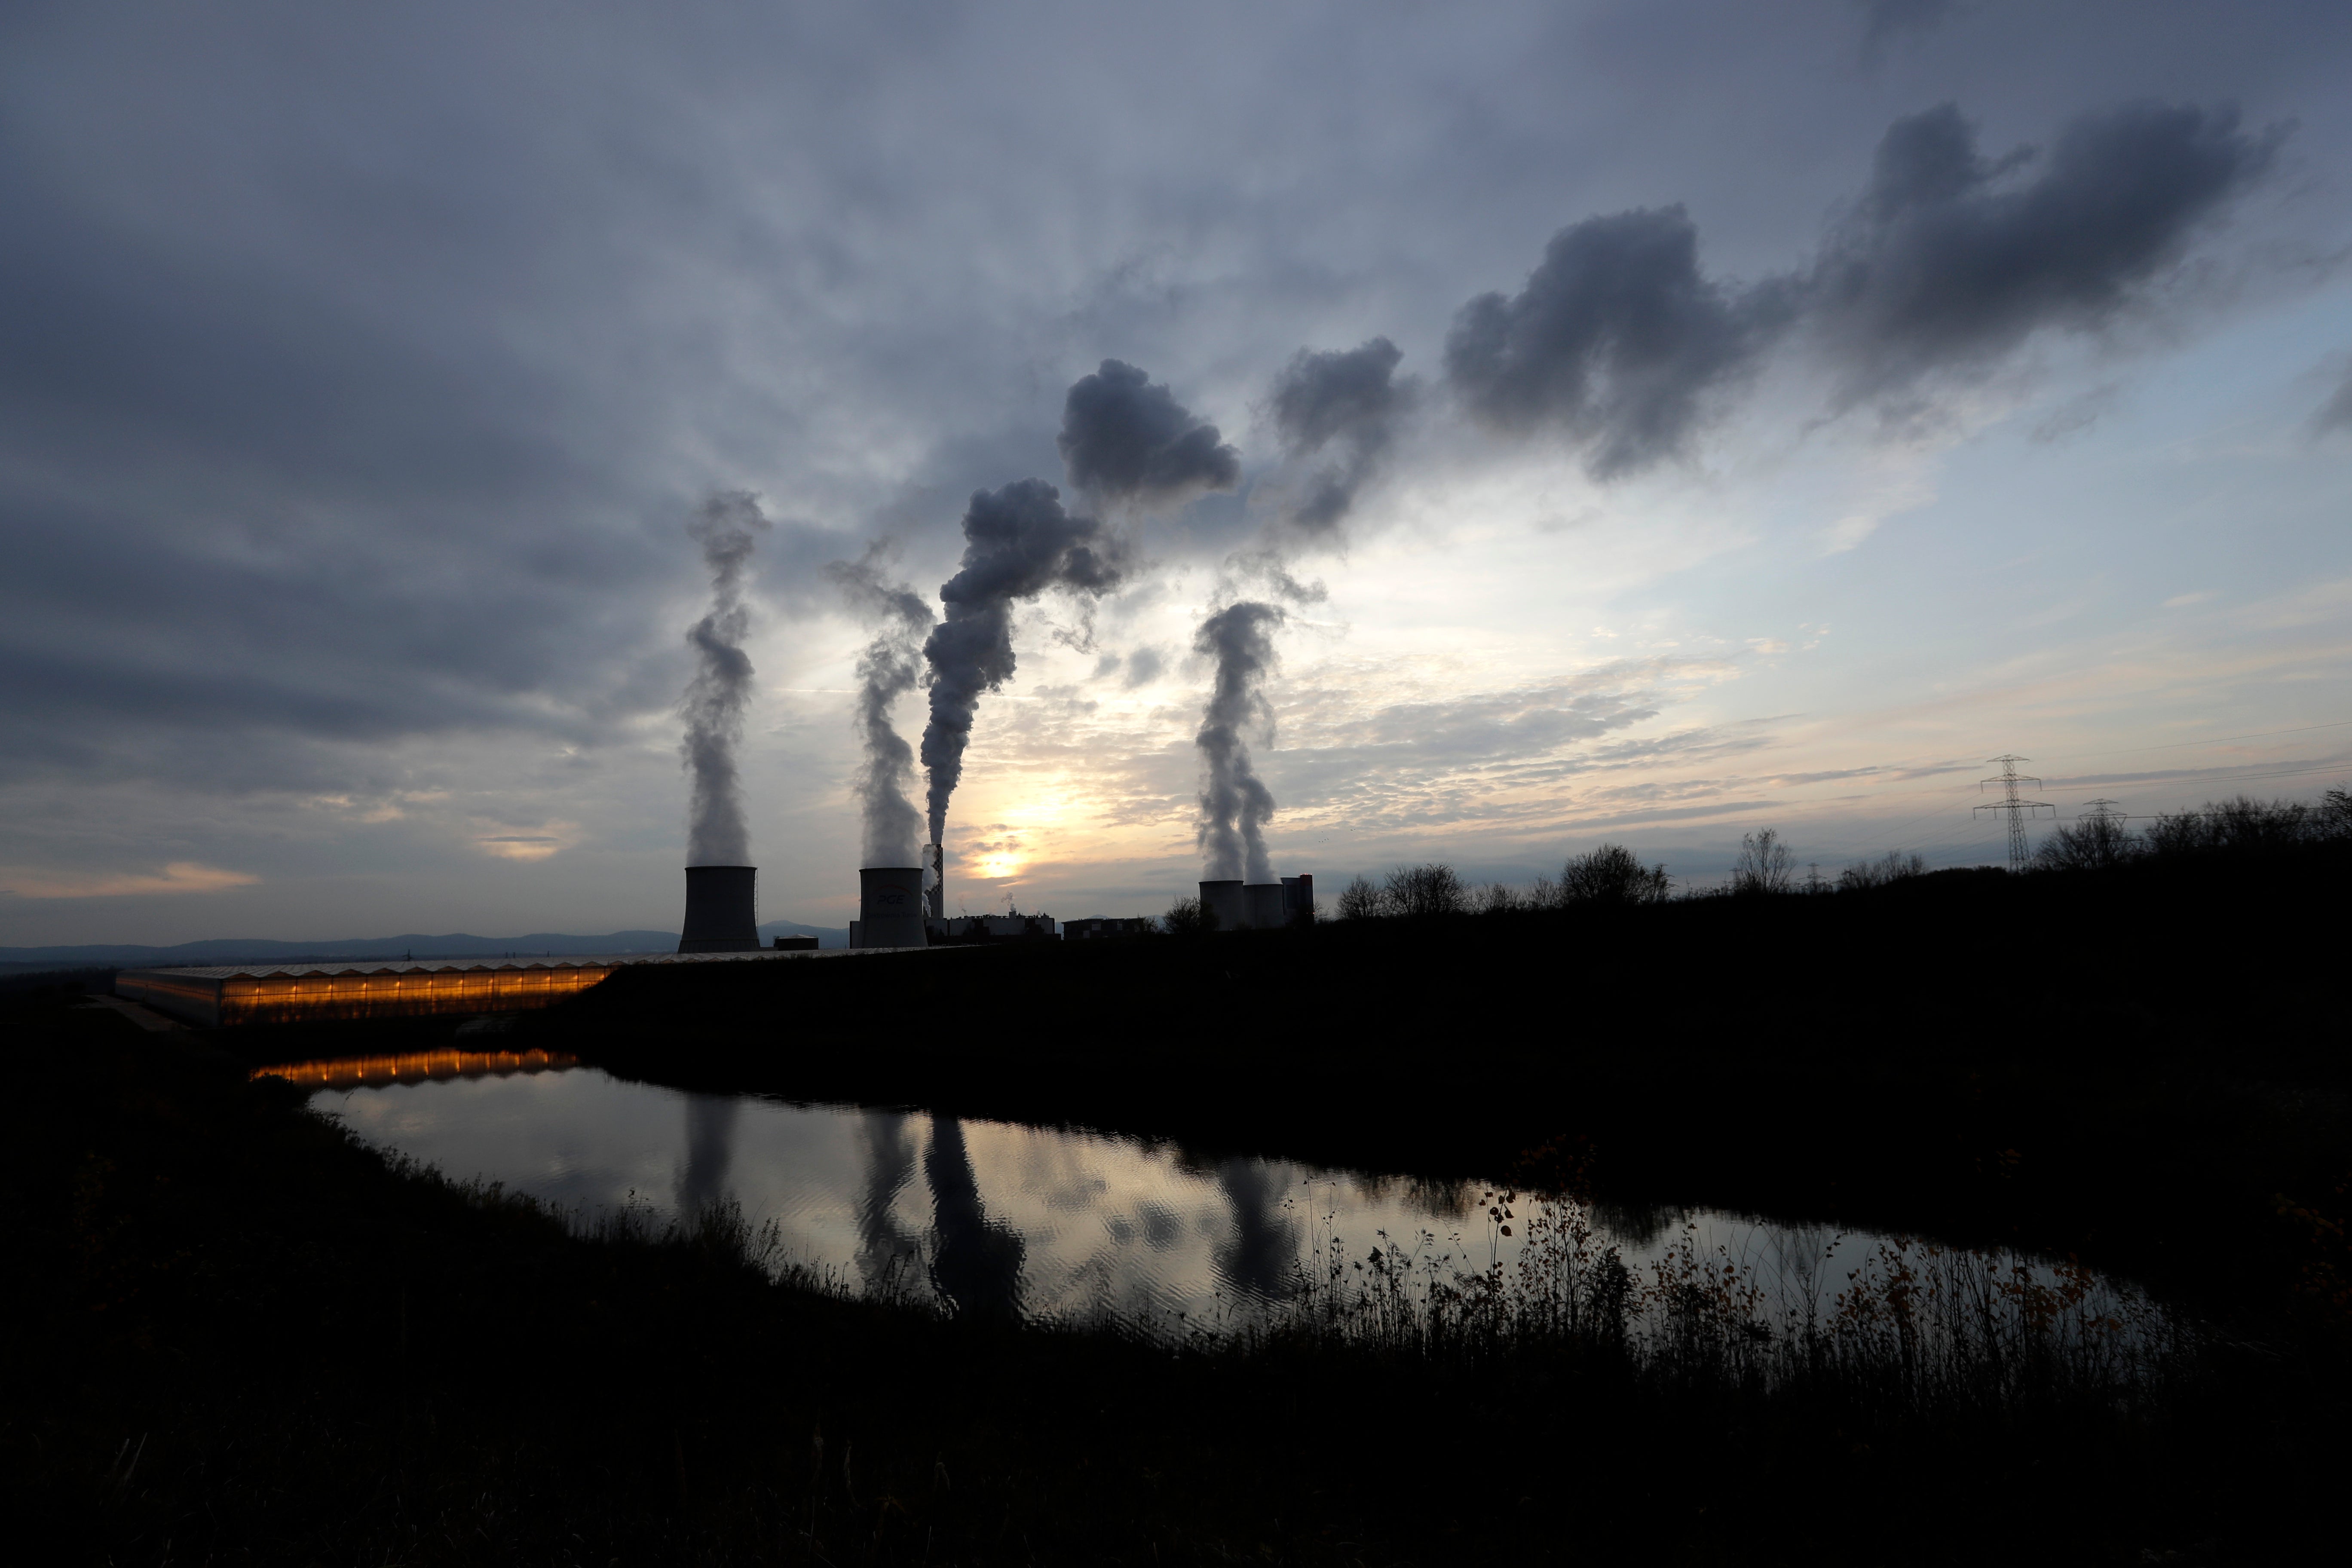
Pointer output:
232, 1334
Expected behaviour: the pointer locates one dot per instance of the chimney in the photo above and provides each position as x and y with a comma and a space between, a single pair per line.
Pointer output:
890, 907
1227, 903
934, 884
719, 915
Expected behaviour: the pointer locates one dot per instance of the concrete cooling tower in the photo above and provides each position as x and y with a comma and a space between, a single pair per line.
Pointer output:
1226, 904
890, 907
1268, 909
720, 914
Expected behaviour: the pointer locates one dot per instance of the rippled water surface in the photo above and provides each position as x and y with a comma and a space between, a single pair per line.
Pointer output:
990, 1215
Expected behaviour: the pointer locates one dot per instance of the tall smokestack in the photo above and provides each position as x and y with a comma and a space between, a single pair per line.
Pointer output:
890, 907
934, 884
721, 916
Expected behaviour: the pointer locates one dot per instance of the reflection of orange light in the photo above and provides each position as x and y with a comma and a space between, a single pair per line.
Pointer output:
413, 1066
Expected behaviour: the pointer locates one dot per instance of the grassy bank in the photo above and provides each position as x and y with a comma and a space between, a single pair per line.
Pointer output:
233, 1335
2146, 1068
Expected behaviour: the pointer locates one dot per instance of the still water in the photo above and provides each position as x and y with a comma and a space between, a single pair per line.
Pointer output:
990, 1217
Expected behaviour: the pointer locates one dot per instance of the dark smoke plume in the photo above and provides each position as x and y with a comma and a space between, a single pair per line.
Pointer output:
887, 669
1347, 399
1124, 439
1018, 543
1617, 341
1946, 261
726, 528
1235, 804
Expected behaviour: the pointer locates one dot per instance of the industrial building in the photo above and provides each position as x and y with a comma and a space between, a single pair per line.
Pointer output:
212, 995
1233, 905
1101, 926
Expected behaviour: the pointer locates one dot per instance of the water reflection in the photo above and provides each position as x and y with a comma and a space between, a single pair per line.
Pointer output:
1009, 1221
710, 1149
975, 1262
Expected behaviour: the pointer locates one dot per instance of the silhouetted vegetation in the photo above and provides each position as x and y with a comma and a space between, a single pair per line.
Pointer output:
235, 1335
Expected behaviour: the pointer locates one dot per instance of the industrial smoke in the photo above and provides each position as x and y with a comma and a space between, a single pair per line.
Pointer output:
1018, 543
887, 669
1235, 804
726, 528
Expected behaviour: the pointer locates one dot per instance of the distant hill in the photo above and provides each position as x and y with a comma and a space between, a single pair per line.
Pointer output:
242, 950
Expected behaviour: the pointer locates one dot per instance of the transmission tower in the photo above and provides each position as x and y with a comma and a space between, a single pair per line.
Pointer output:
2015, 806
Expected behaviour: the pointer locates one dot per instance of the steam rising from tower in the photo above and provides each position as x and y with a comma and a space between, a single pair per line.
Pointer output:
726, 528
1235, 805
887, 669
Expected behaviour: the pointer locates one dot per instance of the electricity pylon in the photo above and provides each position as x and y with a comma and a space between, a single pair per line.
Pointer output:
2018, 809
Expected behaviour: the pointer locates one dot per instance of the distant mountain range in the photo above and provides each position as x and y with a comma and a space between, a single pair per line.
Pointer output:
241, 950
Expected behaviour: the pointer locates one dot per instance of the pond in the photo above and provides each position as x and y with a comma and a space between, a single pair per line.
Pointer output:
997, 1219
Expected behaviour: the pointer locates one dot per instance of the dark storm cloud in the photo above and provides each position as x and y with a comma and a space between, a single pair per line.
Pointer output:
1950, 259
1125, 439
1235, 805
1947, 261
1018, 543
728, 528
1346, 401
1617, 342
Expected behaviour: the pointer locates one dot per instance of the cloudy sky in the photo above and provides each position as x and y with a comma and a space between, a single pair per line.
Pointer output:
1714, 415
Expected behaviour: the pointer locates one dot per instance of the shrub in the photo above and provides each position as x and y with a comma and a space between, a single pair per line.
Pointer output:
1424, 891
1188, 917
1612, 875
1892, 866
2093, 844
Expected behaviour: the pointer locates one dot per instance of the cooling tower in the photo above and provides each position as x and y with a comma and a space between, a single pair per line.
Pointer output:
934, 884
890, 907
1268, 909
1298, 899
719, 917
1227, 903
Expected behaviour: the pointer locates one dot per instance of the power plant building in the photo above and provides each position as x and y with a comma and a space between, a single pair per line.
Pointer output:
1259, 906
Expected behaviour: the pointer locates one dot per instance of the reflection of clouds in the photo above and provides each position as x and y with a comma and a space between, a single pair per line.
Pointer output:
1037, 1223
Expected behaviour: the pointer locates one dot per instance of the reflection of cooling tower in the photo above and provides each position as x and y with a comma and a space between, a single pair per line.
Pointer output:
719, 913
935, 883
1268, 911
1227, 903
890, 907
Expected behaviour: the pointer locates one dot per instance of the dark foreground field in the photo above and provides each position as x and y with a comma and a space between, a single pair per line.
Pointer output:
231, 1335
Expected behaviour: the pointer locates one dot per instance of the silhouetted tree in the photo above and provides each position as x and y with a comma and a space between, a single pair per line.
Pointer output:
1359, 900
1188, 917
1421, 891
2242, 825
2092, 844
1612, 875
1501, 899
1891, 866
1765, 863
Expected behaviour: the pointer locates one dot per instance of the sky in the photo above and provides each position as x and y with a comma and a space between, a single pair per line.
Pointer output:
1652, 421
